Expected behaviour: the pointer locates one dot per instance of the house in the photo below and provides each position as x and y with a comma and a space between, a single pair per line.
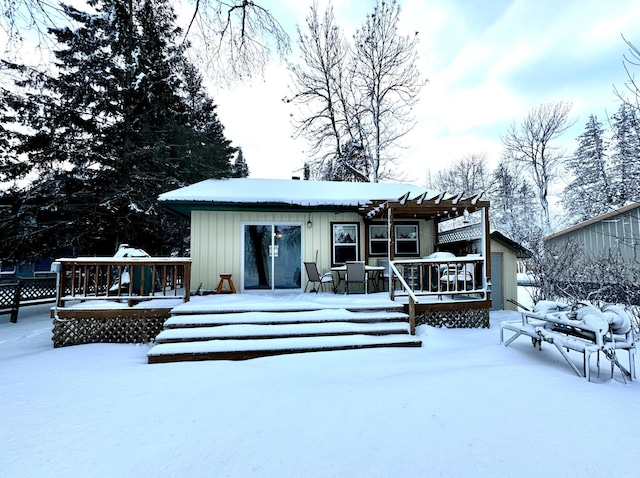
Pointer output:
261, 231
13, 272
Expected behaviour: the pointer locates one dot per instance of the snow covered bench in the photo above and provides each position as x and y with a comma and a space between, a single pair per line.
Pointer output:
583, 329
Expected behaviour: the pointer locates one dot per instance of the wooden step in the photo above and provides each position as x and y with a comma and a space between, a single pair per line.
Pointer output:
272, 318
252, 331
191, 308
248, 349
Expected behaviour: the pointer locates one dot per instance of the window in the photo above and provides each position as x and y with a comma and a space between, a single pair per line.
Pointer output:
378, 239
344, 242
407, 243
406, 238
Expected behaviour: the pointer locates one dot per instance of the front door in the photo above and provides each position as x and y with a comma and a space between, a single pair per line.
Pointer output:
272, 256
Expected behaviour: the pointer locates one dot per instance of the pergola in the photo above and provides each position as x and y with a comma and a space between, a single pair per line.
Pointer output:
438, 208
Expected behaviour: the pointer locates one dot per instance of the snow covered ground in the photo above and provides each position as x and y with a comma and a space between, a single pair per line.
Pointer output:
461, 406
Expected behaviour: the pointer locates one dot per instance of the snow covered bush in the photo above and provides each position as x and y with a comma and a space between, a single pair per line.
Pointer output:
568, 273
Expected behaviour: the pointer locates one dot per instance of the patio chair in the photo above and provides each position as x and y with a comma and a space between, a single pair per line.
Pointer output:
384, 275
466, 277
315, 278
449, 278
356, 274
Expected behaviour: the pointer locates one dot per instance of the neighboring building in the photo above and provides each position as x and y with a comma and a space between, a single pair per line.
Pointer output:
614, 232
13, 272
505, 256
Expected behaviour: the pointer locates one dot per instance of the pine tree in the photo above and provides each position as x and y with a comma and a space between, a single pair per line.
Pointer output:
240, 168
123, 119
589, 193
625, 156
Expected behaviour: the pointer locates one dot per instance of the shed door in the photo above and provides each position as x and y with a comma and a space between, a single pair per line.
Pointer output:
496, 281
272, 256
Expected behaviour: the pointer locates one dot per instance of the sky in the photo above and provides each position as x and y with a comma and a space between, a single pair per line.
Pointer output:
488, 63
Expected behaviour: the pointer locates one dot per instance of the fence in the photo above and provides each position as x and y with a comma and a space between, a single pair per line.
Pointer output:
27, 291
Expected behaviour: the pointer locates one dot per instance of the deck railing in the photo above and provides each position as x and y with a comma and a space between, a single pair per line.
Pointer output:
438, 278
132, 279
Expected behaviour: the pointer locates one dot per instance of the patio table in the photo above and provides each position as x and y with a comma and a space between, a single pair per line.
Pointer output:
375, 273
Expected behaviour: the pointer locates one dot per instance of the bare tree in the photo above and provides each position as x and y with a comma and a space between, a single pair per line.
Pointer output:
389, 84
355, 103
235, 37
469, 174
319, 89
631, 61
531, 143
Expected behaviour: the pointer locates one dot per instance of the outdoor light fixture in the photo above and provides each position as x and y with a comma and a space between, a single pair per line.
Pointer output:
309, 221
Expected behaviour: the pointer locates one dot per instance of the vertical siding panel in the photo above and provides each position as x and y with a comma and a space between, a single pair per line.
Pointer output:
612, 234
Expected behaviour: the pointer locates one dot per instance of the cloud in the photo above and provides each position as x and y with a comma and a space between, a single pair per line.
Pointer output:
488, 64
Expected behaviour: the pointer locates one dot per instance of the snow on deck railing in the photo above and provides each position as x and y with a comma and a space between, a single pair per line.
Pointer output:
132, 279
440, 277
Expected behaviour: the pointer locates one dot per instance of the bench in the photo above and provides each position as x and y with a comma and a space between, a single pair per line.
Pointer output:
584, 330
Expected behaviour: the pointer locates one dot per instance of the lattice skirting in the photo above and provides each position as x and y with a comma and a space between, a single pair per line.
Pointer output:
8, 295
132, 329
463, 319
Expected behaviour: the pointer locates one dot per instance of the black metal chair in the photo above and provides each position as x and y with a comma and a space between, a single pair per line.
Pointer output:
356, 274
315, 278
383, 276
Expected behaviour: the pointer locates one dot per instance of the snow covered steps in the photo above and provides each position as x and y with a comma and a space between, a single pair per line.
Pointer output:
240, 336
284, 317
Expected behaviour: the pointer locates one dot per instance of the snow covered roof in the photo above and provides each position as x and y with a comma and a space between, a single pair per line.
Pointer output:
519, 249
291, 193
594, 220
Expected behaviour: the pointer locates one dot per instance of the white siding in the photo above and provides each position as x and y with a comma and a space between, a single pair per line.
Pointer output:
509, 274
216, 240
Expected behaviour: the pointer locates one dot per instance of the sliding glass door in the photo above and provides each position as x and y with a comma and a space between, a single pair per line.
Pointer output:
272, 256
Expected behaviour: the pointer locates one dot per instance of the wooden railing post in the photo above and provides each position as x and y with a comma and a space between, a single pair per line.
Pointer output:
186, 280
412, 316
